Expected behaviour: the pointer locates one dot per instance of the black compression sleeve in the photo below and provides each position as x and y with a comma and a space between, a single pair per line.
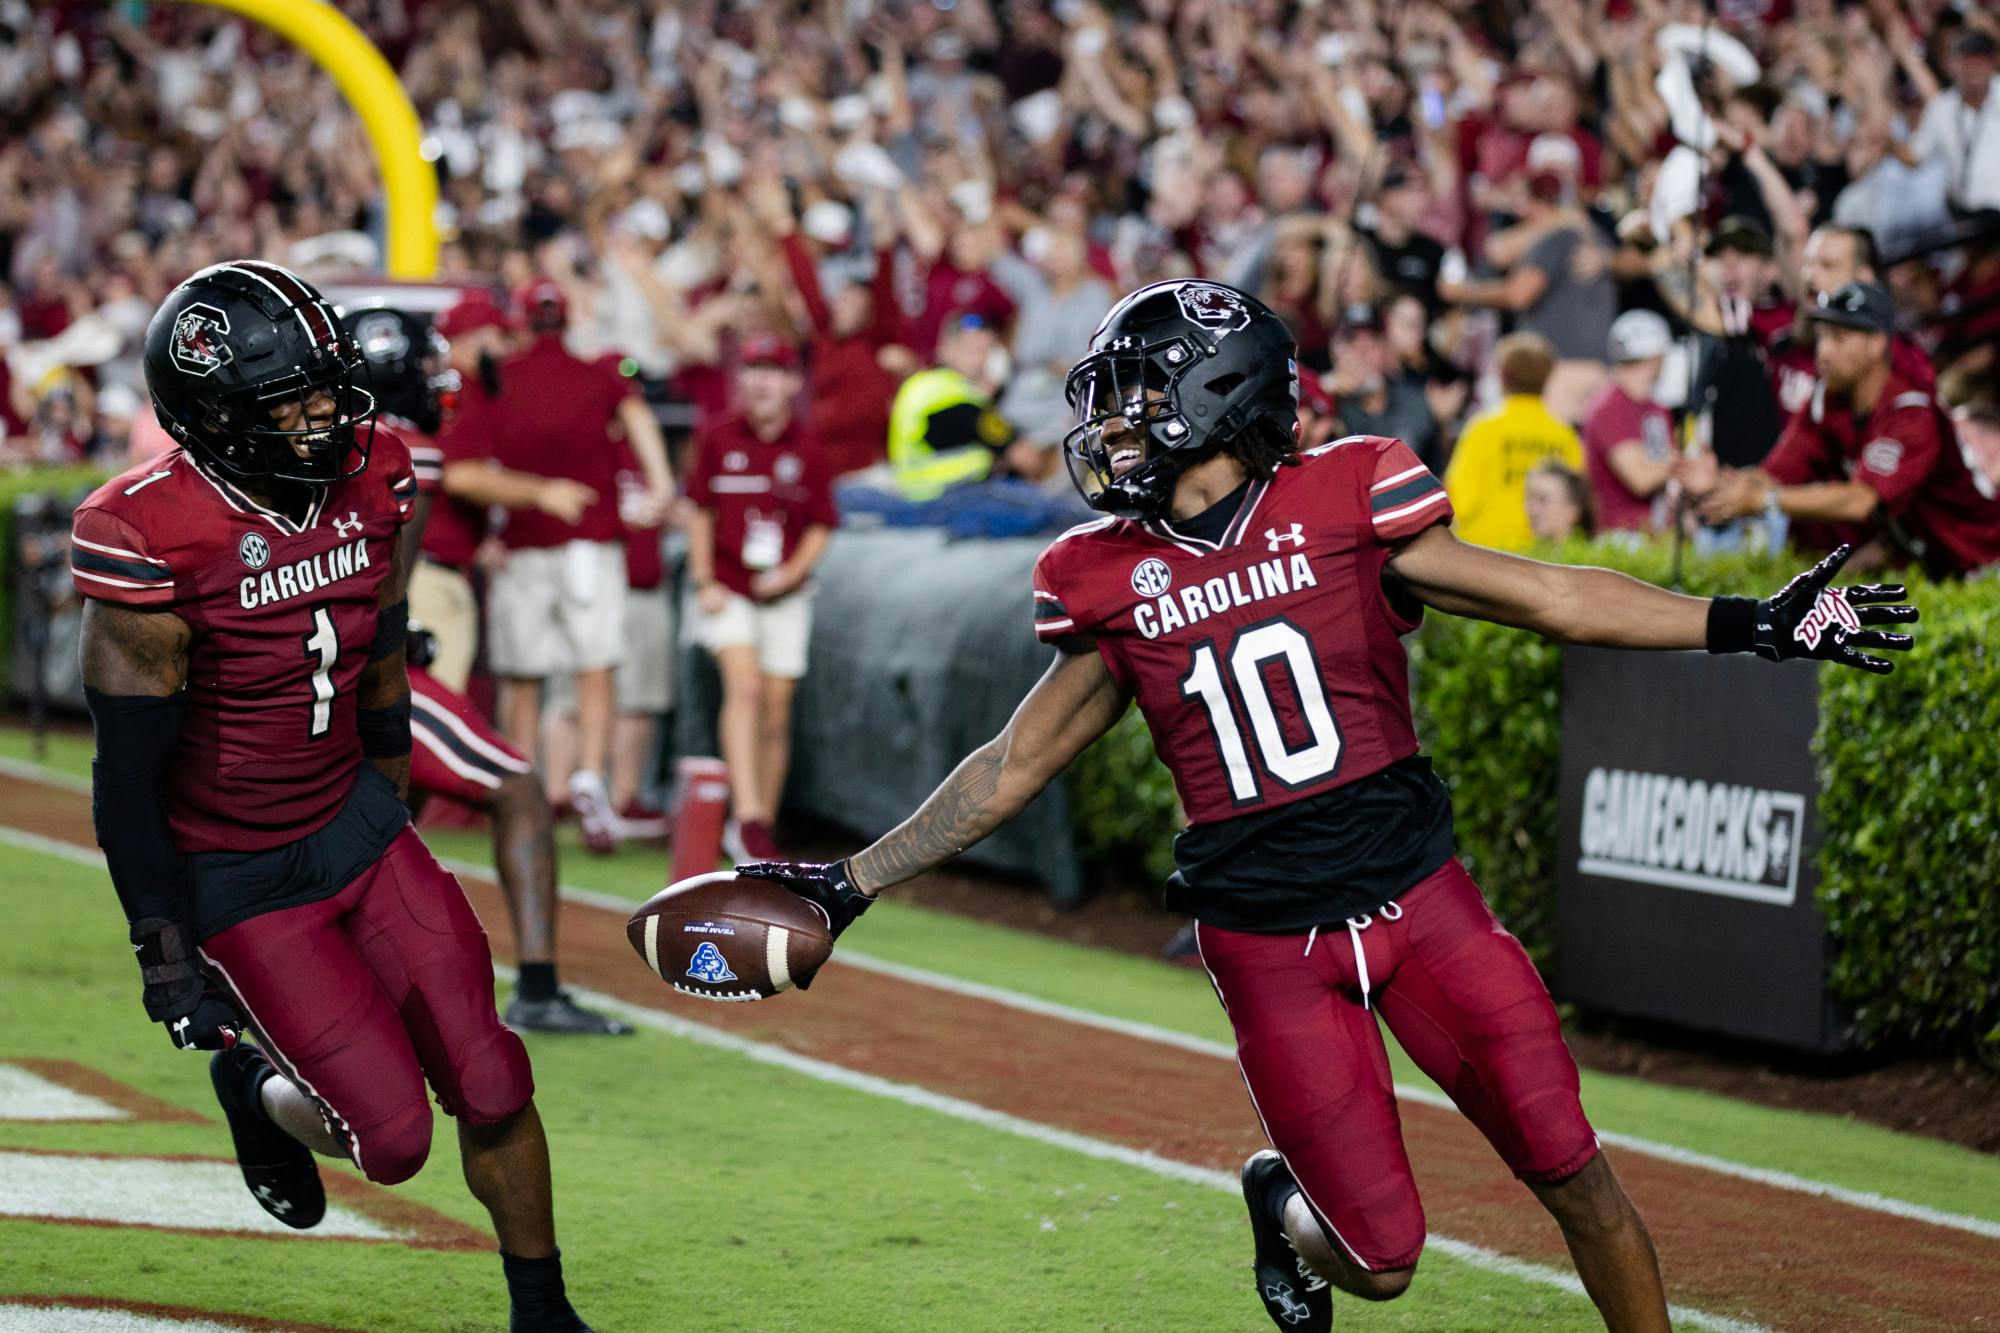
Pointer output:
385, 732
392, 623
1732, 625
136, 736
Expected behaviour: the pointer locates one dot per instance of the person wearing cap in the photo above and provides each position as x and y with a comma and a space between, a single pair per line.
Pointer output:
1874, 456
470, 485
1834, 255
943, 428
1960, 127
558, 602
762, 511
1405, 255
1627, 437
1488, 475
1739, 313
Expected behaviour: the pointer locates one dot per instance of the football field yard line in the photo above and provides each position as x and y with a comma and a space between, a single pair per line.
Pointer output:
1668, 1152
909, 1094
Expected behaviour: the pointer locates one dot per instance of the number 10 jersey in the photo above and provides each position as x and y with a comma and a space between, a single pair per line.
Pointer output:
1269, 664
283, 616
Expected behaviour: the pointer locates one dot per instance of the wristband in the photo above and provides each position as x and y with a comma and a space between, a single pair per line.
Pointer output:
385, 732
1732, 625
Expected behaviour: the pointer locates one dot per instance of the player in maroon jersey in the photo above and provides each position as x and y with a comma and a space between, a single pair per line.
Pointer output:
1252, 600
243, 661
454, 751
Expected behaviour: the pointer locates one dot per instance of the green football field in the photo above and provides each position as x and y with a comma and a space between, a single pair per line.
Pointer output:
705, 1183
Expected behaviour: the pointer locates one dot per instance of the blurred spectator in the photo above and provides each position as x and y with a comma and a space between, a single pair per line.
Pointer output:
1874, 460
1488, 474
943, 428
1557, 282
1558, 503
1061, 304
761, 512
1961, 126
1833, 256
472, 484
1405, 254
1627, 437
1734, 385
558, 602
1979, 433
1366, 400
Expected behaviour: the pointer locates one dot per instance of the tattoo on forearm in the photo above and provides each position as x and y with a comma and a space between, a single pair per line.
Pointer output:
958, 814
127, 651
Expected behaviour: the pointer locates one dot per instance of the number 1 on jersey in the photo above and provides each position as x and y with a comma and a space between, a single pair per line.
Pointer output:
1274, 640
323, 643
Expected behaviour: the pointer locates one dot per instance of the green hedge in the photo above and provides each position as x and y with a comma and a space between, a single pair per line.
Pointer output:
71, 483
1909, 772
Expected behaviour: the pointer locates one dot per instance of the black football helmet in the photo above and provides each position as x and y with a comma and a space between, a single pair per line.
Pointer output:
235, 342
1185, 368
405, 361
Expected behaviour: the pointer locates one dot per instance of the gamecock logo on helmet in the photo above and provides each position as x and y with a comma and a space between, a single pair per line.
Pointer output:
198, 347
1215, 308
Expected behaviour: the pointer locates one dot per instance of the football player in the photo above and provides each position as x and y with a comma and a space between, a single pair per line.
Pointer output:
455, 752
243, 662
1253, 601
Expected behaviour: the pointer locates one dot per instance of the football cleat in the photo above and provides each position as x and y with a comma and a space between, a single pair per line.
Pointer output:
561, 1014
277, 1168
1297, 1299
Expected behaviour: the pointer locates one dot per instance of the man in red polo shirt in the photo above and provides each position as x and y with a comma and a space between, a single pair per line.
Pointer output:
470, 485
763, 510
558, 604
1872, 457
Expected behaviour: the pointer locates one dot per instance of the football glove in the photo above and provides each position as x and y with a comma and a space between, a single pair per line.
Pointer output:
828, 887
197, 1016
1809, 619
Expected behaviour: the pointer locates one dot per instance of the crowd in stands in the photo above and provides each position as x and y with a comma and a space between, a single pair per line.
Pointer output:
1588, 257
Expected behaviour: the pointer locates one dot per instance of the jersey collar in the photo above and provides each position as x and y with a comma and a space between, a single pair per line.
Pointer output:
1167, 532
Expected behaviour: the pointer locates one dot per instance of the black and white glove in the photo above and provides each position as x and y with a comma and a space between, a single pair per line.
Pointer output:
829, 887
197, 1016
1809, 619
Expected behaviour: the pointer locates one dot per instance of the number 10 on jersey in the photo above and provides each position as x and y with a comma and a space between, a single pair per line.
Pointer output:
1209, 680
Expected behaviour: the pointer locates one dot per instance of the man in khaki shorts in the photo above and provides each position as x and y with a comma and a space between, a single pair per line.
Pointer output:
762, 512
558, 603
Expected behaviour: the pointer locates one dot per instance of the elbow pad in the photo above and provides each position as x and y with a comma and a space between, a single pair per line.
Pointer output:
136, 739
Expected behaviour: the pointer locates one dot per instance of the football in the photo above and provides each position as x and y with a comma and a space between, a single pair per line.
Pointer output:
725, 937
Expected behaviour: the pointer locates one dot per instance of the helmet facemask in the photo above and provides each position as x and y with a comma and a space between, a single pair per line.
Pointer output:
245, 440
1132, 440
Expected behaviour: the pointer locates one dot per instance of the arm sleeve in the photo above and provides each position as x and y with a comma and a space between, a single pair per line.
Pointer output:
1404, 496
1053, 620
1900, 454
136, 737
111, 562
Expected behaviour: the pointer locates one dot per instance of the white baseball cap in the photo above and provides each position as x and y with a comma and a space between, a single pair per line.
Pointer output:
1638, 334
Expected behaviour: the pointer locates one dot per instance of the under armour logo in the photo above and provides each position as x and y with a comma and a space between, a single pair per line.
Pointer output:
272, 1201
1284, 1304
1296, 537
348, 526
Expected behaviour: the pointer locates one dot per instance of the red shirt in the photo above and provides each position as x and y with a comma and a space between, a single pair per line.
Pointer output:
1269, 667
456, 528
849, 390
645, 565
283, 615
1614, 418
1795, 372
557, 423
761, 496
1906, 451
948, 290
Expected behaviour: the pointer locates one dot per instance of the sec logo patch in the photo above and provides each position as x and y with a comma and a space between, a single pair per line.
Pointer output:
256, 552
1151, 577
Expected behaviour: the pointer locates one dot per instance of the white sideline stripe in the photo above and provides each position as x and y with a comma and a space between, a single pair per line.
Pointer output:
29, 771
18, 1317
154, 1191
26, 1095
1474, 1256
1867, 1200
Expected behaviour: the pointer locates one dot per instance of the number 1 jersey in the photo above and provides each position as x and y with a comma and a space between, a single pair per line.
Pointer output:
283, 613
1270, 669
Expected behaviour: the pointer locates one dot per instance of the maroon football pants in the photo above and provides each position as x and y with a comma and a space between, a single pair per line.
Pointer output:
1461, 996
362, 997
